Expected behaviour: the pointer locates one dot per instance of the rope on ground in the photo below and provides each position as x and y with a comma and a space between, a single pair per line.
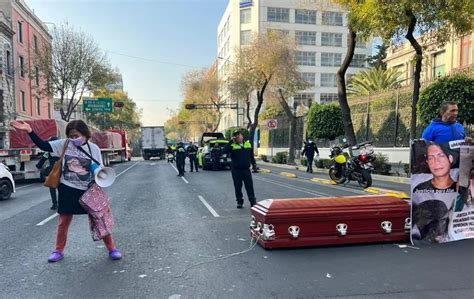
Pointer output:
252, 246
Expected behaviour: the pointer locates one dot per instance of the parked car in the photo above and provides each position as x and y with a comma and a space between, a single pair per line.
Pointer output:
204, 155
7, 184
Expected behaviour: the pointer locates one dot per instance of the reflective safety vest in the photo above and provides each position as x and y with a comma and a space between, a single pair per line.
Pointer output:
246, 145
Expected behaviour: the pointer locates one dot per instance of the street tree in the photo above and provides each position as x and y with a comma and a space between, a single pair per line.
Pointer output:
378, 60
422, 23
72, 66
258, 65
202, 87
372, 81
325, 121
126, 117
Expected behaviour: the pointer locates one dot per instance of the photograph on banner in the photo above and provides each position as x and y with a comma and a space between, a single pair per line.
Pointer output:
435, 186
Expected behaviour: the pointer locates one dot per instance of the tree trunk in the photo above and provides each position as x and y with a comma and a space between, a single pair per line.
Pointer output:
292, 118
417, 74
260, 98
341, 88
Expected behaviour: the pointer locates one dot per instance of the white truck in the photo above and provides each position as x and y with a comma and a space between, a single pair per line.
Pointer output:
153, 142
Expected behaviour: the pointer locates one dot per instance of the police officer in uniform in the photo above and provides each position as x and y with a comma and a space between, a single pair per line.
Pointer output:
192, 151
241, 154
180, 158
309, 149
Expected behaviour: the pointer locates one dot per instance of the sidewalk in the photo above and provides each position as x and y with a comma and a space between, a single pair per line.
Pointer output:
385, 178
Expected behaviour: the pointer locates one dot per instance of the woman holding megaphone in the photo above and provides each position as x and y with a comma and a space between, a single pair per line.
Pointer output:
77, 153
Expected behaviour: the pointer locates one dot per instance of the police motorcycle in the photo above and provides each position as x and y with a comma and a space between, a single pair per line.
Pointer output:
352, 165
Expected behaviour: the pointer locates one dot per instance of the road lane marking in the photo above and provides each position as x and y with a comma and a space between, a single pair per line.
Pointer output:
23, 187
300, 189
177, 171
56, 214
337, 187
47, 219
127, 169
208, 206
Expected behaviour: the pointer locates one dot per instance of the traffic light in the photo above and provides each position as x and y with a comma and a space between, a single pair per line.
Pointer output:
119, 104
190, 106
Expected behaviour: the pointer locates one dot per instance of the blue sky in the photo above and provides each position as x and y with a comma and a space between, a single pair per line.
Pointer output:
180, 32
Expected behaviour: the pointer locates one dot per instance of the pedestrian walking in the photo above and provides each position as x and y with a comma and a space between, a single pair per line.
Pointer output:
309, 150
180, 158
241, 154
51, 158
446, 128
192, 152
76, 178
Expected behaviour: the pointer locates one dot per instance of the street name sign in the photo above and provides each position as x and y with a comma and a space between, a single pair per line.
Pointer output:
98, 105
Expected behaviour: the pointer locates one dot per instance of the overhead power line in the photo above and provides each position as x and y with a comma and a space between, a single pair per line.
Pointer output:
154, 60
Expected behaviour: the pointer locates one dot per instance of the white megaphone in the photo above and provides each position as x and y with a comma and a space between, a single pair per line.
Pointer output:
104, 176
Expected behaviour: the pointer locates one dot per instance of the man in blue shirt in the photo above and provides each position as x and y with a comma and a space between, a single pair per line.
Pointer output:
447, 128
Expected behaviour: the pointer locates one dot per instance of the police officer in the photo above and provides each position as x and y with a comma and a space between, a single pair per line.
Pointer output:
192, 151
309, 149
180, 158
216, 155
241, 154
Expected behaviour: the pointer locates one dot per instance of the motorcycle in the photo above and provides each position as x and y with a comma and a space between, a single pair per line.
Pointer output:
355, 165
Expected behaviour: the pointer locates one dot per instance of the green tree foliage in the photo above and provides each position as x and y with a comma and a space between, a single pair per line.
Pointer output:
458, 88
373, 80
377, 60
436, 22
325, 121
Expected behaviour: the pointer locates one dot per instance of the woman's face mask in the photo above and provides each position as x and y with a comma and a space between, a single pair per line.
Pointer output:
78, 141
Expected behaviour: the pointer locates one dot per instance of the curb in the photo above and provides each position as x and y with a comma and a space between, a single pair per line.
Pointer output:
385, 178
393, 193
289, 175
263, 170
323, 181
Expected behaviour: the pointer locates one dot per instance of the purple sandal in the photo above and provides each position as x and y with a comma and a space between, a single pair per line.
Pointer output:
115, 255
56, 256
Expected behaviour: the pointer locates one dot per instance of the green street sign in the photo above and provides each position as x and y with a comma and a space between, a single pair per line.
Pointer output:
97, 105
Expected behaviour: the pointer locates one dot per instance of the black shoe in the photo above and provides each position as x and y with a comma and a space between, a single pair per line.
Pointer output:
252, 204
191, 171
240, 206
54, 207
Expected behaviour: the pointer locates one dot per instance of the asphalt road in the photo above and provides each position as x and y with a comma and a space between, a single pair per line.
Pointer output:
176, 236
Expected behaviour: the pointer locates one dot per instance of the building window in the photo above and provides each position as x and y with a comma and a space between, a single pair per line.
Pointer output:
439, 64
303, 16
246, 16
23, 101
328, 80
332, 18
305, 38
310, 78
22, 66
49, 110
20, 32
9, 64
37, 76
245, 37
360, 43
305, 58
38, 106
304, 98
281, 15
358, 60
35, 43
331, 59
466, 50
331, 39
328, 98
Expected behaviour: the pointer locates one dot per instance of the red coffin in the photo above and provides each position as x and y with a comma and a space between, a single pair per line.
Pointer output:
278, 223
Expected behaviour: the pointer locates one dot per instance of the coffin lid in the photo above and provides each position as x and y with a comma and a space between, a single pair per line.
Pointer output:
330, 204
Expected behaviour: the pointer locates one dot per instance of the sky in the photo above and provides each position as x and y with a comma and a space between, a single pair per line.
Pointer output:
152, 42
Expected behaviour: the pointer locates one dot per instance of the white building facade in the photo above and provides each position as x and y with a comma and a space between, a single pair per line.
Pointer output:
320, 31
